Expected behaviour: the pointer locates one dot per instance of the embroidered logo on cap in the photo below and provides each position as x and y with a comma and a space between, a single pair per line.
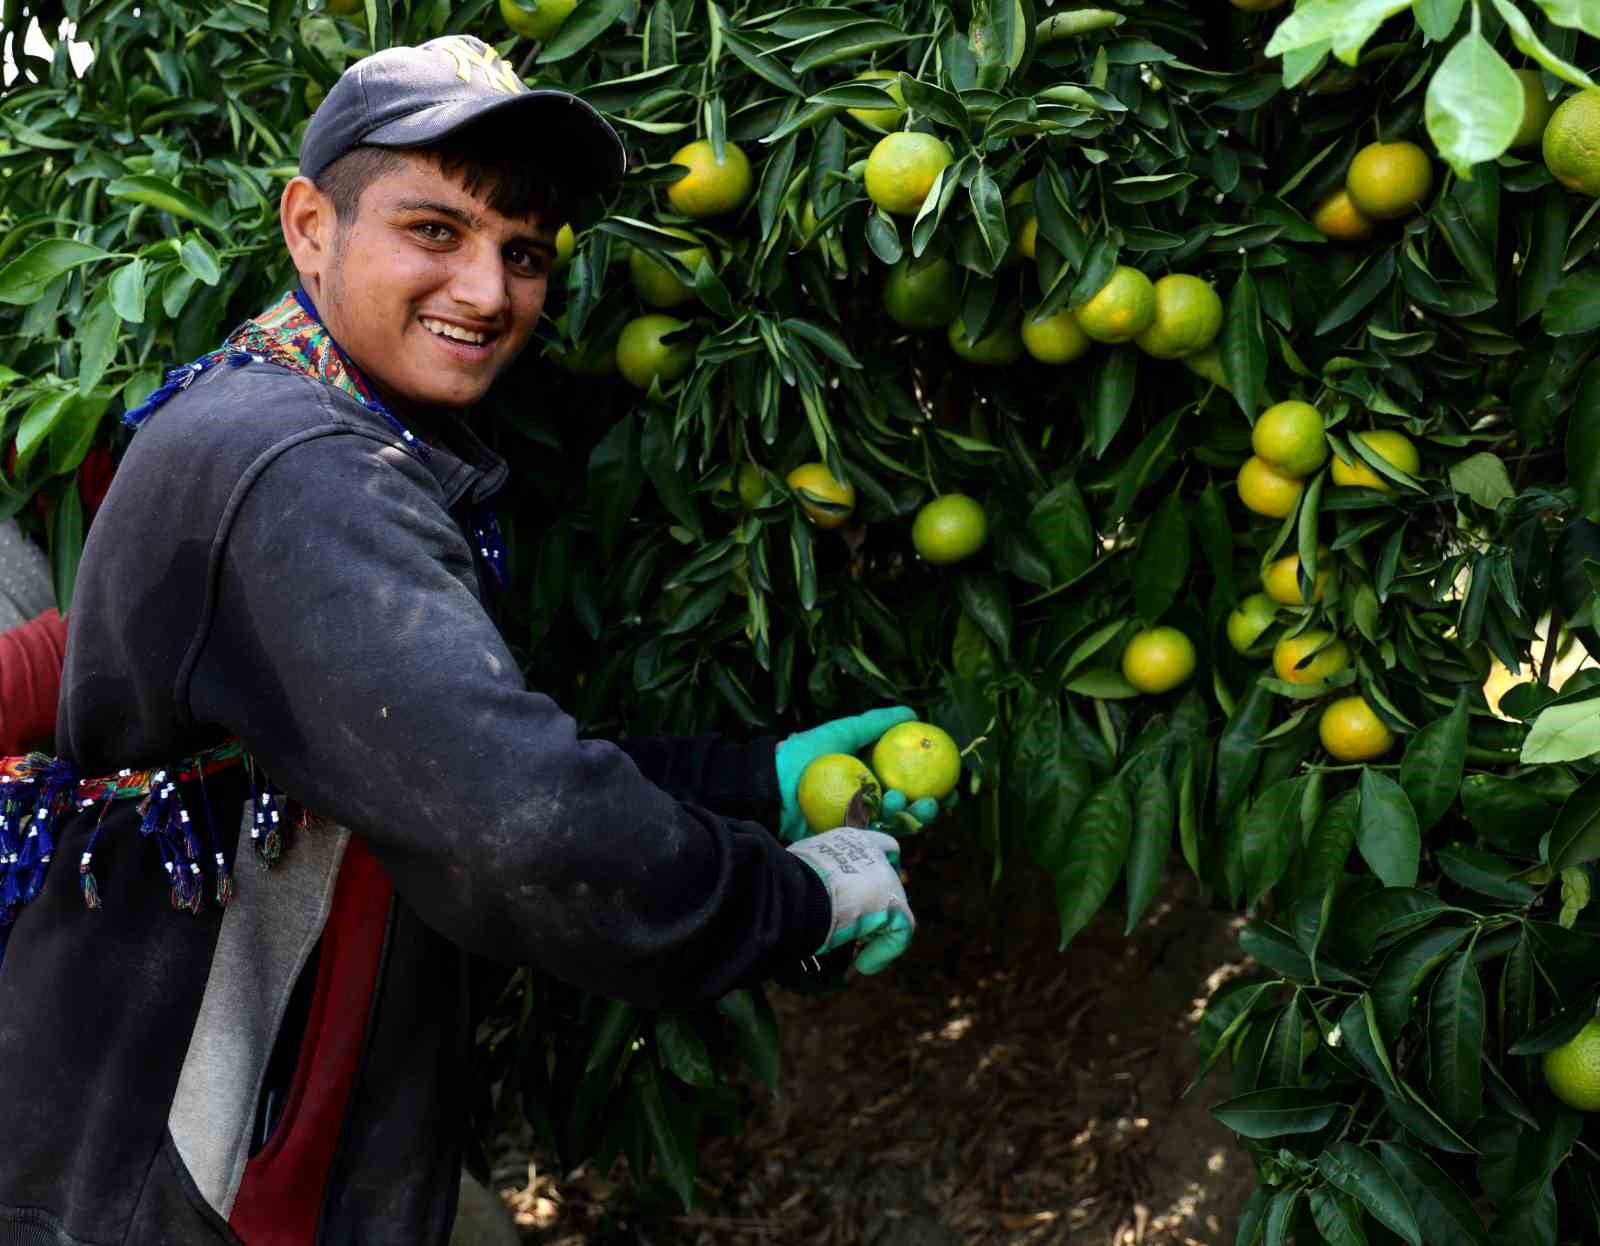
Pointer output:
467, 54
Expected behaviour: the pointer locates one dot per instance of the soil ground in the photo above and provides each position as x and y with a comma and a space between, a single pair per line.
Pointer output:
988, 1090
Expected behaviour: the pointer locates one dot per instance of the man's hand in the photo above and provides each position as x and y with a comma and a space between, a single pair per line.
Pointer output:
844, 735
861, 870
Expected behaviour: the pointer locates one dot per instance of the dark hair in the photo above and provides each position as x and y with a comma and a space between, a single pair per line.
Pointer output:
475, 157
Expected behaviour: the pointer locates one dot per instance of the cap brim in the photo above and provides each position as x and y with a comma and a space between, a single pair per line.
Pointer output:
568, 138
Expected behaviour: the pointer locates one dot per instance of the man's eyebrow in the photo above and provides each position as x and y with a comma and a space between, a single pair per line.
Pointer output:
472, 220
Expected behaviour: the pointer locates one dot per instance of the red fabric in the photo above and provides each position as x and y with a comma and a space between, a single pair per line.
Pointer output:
280, 1199
30, 682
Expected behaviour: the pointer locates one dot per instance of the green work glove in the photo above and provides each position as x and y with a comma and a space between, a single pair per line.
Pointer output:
861, 870
843, 735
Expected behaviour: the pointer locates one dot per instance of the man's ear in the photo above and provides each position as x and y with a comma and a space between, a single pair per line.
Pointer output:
307, 219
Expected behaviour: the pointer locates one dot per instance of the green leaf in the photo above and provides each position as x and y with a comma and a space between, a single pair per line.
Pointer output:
1443, 1212
1576, 14
1386, 830
1553, 1031
755, 1032
1404, 969
683, 1051
1547, 229
162, 195
37, 421
1573, 306
1529, 44
1575, 837
1438, 18
1483, 872
983, 596
1154, 815
1455, 1042
1048, 782
1434, 763
1483, 478
849, 41
1336, 1218
1161, 563
74, 432
1244, 349
97, 341
1278, 1111
1474, 104
199, 258
1269, 836
1565, 732
1583, 442
1359, 1174
1093, 856
674, 1153
587, 23
24, 279
1329, 845
1060, 523
1345, 24
1111, 396
1364, 285
66, 545
127, 286
1237, 755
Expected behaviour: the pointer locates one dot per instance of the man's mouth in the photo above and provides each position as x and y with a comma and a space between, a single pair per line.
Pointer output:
455, 333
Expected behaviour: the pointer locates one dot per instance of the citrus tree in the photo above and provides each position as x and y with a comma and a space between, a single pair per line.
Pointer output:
1188, 407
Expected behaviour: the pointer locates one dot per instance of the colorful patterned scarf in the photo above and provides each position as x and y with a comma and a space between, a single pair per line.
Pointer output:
292, 335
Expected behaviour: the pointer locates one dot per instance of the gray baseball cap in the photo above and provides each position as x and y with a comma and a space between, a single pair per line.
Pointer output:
413, 96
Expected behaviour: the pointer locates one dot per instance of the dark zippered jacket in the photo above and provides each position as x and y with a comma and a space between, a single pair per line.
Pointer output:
272, 564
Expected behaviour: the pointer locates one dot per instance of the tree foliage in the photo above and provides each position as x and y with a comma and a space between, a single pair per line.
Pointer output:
1419, 918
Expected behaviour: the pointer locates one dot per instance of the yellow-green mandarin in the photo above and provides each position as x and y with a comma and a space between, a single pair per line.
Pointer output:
1289, 436
657, 284
1572, 143
1188, 318
711, 187
902, 169
1351, 731
1249, 621
1389, 180
1289, 657
1056, 339
1266, 490
1572, 1070
922, 296
1122, 309
949, 528
1002, 347
1536, 109
1158, 659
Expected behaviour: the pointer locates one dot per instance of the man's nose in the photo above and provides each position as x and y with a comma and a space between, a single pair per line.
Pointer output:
479, 282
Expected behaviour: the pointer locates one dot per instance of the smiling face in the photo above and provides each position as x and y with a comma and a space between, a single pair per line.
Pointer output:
431, 291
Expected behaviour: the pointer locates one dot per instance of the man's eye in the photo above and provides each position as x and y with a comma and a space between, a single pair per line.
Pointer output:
433, 231
527, 261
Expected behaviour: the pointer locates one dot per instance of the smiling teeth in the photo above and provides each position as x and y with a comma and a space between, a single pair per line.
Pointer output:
451, 331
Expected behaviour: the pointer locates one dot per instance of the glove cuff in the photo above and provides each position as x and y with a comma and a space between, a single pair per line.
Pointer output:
816, 923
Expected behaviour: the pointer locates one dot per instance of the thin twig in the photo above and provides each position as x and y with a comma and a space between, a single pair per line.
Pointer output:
1548, 662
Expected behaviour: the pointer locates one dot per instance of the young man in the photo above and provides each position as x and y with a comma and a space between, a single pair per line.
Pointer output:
285, 598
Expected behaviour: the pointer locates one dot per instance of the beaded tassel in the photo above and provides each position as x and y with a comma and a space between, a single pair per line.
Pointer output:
166, 820
266, 832
179, 379
10, 845
55, 777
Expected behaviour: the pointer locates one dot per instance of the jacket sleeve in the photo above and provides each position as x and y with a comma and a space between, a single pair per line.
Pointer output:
349, 651
737, 779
